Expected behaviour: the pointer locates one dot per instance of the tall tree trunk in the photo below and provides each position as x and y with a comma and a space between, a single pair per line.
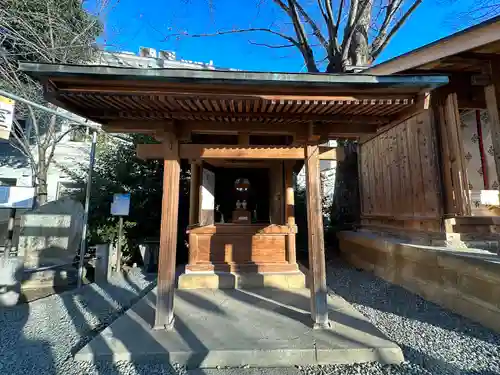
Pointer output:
359, 49
42, 185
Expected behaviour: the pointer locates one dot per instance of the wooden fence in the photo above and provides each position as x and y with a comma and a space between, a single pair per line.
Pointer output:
399, 177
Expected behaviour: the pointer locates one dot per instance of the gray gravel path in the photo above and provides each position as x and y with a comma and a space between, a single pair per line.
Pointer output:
434, 340
40, 338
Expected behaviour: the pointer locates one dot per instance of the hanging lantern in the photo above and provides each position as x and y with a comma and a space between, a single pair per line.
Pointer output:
242, 184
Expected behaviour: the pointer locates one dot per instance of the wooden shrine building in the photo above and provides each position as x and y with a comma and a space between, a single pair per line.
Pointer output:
463, 125
244, 133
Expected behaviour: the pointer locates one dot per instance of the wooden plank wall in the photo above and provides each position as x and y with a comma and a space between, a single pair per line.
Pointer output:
399, 175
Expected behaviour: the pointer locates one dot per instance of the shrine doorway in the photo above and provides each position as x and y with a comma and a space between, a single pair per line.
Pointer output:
227, 194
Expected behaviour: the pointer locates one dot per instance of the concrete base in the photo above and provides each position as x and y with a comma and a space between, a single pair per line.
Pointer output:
232, 328
227, 280
465, 281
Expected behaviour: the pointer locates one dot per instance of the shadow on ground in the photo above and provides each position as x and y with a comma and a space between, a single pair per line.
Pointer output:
95, 307
40, 355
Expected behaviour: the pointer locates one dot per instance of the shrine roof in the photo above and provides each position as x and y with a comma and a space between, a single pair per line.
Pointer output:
466, 51
105, 94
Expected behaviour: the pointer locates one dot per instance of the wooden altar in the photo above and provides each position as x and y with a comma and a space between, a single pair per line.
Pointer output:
232, 119
246, 241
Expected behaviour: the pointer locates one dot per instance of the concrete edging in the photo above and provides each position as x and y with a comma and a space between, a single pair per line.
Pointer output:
465, 281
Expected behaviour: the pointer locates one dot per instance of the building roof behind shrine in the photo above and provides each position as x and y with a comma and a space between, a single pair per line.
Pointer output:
108, 94
465, 51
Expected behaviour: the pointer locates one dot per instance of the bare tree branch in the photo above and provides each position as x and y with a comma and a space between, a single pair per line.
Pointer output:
395, 29
333, 51
55, 142
390, 11
271, 45
236, 31
305, 48
353, 12
316, 30
339, 15
322, 10
368, 26
42, 31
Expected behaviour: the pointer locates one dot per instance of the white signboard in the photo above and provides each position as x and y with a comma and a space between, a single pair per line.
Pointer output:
120, 205
16, 197
207, 213
490, 197
208, 190
6, 116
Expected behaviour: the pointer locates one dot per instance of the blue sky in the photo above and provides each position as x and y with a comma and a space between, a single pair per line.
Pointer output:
134, 23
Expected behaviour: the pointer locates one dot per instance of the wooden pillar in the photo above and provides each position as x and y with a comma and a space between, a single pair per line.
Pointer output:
455, 172
244, 139
492, 96
290, 213
164, 318
194, 194
316, 243
276, 193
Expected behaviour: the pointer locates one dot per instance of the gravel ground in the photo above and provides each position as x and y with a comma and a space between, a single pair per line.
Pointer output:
40, 337
434, 340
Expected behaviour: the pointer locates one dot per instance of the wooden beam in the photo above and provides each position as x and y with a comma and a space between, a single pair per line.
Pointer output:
196, 152
194, 194
471, 104
467, 40
492, 96
468, 95
291, 251
142, 127
164, 317
225, 163
244, 139
223, 91
276, 192
478, 56
444, 156
422, 104
479, 65
184, 129
455, 146
172, 115
316, 243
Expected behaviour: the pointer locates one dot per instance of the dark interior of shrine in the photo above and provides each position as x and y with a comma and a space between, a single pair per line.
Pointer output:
257, 196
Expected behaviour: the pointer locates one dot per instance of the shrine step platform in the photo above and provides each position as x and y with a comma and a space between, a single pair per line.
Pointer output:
229, 280
233, 327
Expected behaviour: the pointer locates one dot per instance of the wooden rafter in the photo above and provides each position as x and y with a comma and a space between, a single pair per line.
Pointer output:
346, 119
421, 104
229, 94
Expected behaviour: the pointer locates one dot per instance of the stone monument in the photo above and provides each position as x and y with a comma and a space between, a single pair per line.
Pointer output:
51, 234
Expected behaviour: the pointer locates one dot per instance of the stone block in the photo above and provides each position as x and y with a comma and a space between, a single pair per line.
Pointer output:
11, 274
103, 265
226, 280
466, 282
59, 276
473, 286
487, 316
51, 234
149, 254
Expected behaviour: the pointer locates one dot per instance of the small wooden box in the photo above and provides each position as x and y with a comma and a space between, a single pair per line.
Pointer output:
242, 216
